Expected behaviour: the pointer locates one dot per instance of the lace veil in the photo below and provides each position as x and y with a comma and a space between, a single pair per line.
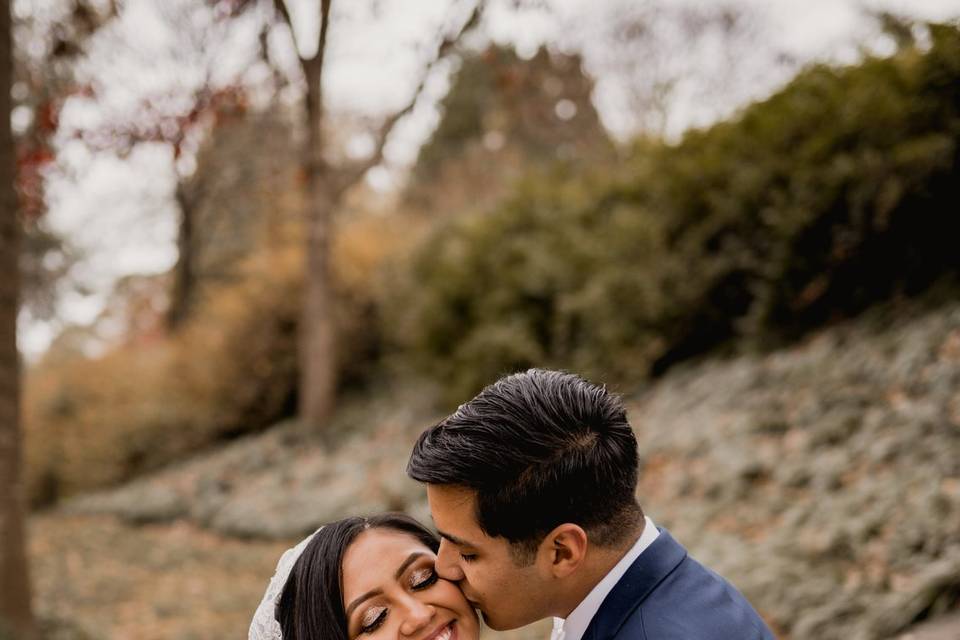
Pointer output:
264, 625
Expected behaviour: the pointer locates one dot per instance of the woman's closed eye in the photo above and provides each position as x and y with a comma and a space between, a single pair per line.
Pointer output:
372, 619
423, 578
468, 557
418, 580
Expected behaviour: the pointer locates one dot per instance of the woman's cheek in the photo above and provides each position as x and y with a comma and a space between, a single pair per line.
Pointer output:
453, 599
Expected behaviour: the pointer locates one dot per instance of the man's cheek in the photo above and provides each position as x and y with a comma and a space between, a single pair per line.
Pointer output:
477, 585
470, 578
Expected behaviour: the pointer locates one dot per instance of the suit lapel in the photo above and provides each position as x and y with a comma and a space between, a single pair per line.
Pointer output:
643, 576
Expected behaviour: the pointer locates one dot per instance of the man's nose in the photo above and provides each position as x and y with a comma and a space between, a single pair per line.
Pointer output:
448, 562
417, 615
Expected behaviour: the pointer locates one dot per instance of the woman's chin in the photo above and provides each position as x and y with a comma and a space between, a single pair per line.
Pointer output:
467, 627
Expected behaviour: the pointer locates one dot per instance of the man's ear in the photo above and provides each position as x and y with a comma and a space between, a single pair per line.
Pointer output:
563, 550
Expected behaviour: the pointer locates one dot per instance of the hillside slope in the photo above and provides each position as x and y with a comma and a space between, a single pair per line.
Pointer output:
823, 480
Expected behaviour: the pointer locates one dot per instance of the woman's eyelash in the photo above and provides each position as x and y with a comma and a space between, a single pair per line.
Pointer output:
423, 579
419, 580
368, 628
468, 557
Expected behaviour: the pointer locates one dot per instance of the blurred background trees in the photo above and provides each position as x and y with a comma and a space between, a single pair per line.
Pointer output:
503, 116
525, 234
834, 194
34, 69
686, 190
48, 41
325, 187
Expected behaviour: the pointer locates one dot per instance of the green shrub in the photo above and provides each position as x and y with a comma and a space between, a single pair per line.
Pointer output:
839, 191
554, 276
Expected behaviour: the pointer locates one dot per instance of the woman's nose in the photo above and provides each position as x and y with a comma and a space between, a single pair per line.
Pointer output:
417, 616
448, 566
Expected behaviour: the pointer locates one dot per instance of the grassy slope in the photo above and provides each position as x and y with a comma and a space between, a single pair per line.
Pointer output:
823, 480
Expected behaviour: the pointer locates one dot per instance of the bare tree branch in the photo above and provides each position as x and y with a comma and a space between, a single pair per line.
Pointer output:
313, 67
324, 24
351, 174
281, 8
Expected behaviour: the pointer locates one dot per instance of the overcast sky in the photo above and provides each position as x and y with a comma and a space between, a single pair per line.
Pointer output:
119, 211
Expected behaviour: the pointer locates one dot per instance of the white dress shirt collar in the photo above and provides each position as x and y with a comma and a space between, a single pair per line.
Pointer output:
575, 625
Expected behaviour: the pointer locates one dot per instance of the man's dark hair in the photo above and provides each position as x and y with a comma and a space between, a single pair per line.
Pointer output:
311, 604
540, 448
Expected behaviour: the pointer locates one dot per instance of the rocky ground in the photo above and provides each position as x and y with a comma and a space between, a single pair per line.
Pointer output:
823, 480
99, 578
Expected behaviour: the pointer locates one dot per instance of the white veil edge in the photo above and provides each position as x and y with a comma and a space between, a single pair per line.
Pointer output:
264, 625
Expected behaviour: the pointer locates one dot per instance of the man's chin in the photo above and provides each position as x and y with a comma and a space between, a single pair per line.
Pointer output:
491, 624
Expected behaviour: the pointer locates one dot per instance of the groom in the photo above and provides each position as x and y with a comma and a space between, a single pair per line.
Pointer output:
531, 485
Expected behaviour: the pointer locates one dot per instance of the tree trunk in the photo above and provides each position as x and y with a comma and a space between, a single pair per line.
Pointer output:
184, 277
16, 619
318, 358
325, 186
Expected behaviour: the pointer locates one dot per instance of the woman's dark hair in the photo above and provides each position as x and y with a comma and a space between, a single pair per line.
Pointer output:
540, 448
311, 605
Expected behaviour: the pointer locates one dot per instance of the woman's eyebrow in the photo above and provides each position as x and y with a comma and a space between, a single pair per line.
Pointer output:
376, 592
369, 594
406, 563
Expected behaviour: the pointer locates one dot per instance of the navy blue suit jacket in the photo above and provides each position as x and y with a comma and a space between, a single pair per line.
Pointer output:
667, 595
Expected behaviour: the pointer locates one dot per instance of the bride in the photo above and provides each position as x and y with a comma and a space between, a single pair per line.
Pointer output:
364, 578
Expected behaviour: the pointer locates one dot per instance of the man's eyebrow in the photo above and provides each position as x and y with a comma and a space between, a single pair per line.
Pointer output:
369, 594
455, 540
406, 563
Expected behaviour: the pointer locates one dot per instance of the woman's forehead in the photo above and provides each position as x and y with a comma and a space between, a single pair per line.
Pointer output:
373, 558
